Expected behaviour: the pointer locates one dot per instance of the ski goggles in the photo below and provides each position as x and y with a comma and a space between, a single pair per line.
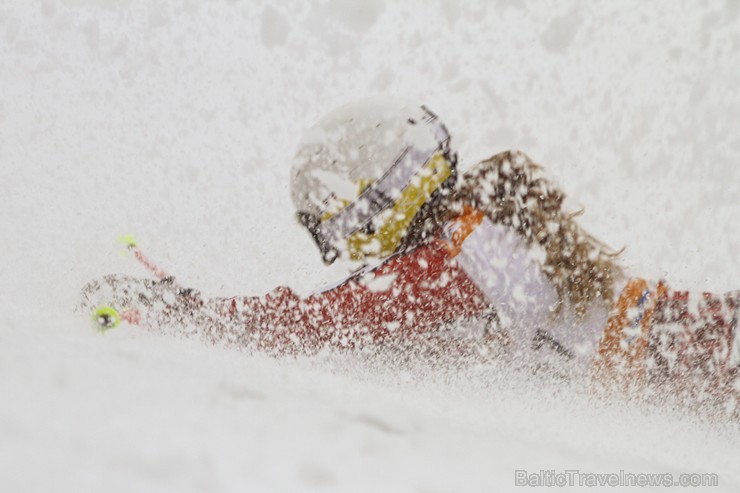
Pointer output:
375, 223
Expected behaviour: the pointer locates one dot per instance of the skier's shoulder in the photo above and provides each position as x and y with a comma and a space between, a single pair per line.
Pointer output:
412, 264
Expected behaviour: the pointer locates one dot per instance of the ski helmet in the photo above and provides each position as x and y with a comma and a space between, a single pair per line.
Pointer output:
363, 172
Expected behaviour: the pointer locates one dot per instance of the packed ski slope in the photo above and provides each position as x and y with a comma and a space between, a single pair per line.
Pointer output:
176, 121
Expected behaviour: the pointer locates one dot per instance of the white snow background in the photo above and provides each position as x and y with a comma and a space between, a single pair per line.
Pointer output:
177, 121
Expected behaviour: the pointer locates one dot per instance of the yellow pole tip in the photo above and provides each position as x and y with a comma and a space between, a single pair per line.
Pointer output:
127, 240
105, 318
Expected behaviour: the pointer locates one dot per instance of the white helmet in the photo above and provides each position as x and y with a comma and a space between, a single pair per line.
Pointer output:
363, 172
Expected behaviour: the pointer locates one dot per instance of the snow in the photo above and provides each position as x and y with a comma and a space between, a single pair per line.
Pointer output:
176, 122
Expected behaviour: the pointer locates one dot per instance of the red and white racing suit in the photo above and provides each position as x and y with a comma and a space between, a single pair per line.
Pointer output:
474, 270
479, 270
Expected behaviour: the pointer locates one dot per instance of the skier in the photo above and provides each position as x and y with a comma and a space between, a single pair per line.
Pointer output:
377, 184
484, 259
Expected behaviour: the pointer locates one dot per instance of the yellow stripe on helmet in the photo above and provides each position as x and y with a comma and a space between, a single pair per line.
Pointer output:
391, 225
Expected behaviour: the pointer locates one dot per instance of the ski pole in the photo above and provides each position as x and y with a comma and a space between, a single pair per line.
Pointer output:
132, 246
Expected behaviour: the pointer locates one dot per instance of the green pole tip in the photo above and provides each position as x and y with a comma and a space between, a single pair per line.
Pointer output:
128, 240
105, 318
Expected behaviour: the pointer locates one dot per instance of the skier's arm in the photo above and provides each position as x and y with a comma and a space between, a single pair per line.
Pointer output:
409, 294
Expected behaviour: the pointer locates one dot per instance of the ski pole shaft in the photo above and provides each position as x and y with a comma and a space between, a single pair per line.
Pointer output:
151, 266
144, 260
